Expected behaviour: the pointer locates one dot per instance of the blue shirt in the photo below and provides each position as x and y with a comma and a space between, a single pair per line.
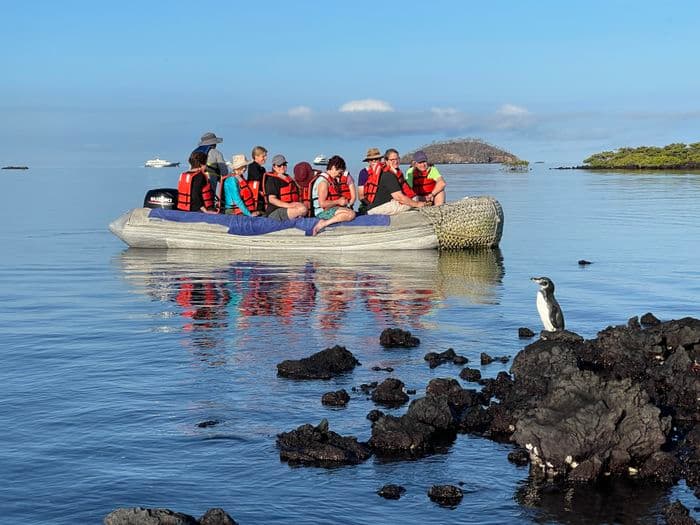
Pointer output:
232, 195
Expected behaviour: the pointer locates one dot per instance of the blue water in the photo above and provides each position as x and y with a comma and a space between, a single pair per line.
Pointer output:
112, 357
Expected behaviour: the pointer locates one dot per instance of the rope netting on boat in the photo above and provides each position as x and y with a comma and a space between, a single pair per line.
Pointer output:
473, 222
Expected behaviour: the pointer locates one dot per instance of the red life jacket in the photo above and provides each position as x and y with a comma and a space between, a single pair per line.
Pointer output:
342, 183
247, 195
307, 197
422, 185
373, 182
184, 191
288, 193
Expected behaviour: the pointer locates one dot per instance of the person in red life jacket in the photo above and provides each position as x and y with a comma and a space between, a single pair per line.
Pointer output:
216, 165
194, 193
236, 196
330, 205
372, 158
256, 172
426, 180
304, 175
282, 193
387, 192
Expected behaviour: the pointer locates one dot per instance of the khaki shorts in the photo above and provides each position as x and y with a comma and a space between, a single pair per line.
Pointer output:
390, 208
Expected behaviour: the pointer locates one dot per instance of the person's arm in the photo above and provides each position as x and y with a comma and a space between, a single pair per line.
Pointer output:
353, 191
402, 199
233, 190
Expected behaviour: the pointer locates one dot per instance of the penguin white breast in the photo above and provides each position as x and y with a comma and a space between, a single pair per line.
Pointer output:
543, 310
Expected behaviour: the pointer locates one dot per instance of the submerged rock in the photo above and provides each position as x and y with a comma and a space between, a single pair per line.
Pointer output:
397, 338
321, 365
677, 514
391, 491
339, 398
446, 495
319, 446
448, 356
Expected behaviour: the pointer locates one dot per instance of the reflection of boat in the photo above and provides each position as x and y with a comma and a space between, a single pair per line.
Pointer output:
320, 160
160, 163
472, 222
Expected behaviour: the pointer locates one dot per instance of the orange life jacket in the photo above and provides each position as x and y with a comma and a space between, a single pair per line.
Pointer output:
307, 196
343, 186
288, 193
245, 191
422, 185
184, 191
373, 182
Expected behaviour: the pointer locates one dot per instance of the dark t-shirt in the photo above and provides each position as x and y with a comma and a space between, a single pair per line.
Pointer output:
388, 184
255, 174
273, 186
196, 200
362, 177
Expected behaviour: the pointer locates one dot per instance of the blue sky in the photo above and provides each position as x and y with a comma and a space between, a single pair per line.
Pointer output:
554, 81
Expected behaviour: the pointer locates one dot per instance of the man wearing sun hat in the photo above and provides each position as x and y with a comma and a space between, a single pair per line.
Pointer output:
216, 165
373, 158
426, 180
237, 197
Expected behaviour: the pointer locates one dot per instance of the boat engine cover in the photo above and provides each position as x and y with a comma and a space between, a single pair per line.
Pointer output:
165, 198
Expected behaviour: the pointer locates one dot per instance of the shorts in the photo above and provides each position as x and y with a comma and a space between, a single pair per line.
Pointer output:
389, 208
327, 214
279, 214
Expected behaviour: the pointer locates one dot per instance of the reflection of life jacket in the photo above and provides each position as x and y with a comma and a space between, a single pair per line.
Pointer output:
373, 182
245, 191
288, 193
422, 185
184, 191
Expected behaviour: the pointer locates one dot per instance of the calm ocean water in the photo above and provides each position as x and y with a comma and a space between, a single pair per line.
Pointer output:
113, 356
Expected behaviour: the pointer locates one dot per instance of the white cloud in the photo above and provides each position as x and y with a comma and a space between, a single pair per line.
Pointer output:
511, 110
300, 111
367, 104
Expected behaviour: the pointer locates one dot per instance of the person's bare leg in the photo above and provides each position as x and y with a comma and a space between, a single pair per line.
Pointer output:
341, 215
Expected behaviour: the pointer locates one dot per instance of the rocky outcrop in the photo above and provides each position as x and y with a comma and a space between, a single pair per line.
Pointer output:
397, 338
319, 446
144, 516
321, 365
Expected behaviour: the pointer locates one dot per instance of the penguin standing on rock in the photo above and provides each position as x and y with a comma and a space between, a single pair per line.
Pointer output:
547, 306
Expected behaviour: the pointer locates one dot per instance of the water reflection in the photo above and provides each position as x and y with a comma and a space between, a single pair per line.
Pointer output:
610, 502
321, 291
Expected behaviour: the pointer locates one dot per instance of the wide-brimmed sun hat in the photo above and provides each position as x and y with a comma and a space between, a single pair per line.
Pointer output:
239, 160
373, 154
209, 139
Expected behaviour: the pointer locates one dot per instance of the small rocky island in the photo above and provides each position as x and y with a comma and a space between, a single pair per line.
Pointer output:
463, 151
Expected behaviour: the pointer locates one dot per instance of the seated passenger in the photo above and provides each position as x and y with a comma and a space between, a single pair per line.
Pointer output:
281, 192
330, 205
372, 158
425, 180
386, 189
194, 193
237, 196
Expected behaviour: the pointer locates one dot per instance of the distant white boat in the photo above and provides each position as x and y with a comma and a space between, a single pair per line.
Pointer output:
160, 163
320, 160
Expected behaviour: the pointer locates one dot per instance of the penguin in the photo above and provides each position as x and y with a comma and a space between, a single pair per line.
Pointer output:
547, 306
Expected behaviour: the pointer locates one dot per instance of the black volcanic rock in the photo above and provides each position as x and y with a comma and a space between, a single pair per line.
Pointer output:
390, 393
391, 491
321, 365
339, 398
397, 338
144, 516
318, 446
446, 495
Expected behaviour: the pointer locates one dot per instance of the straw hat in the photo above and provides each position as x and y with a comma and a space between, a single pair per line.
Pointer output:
373, 154
239, 160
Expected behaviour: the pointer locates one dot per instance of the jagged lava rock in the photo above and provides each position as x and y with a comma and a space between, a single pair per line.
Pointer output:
321, 365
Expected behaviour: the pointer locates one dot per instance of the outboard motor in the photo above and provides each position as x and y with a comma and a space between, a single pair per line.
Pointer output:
165, 198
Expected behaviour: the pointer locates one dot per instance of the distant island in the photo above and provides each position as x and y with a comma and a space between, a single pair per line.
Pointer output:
463, 151
676, 156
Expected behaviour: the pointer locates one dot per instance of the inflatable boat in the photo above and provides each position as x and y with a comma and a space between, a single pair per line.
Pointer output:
473, 222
